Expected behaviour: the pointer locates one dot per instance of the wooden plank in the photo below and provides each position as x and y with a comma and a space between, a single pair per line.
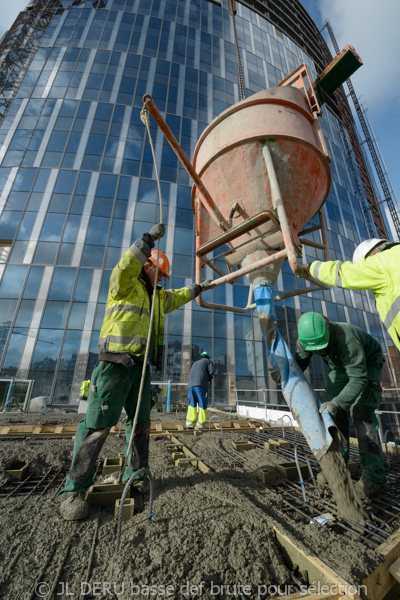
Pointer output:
394, 570
318, 571
70, 430
189, 454
303, 596
381, 581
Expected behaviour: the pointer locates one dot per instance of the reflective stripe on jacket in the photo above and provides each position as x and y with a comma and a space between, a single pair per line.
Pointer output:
126, 323
378, 273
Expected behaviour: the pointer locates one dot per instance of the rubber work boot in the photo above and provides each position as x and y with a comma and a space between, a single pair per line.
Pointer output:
141, 485
74, 507
368, 489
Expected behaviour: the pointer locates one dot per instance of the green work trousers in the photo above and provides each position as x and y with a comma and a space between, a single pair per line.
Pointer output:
362, 413
112, 388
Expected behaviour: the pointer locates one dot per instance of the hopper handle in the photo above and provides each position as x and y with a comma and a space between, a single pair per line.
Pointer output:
279, 206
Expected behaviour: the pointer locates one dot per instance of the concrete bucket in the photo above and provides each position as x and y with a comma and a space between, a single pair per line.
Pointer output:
230, 159
260, 174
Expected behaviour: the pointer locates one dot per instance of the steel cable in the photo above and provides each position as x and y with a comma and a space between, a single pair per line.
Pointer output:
232, 12
136, 474
144, 116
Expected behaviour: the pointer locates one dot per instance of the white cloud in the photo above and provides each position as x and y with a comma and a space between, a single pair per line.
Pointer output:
9, 11
372, 28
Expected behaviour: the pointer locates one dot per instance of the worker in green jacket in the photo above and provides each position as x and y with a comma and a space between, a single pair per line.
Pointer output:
354, 359
375, 267
116, 378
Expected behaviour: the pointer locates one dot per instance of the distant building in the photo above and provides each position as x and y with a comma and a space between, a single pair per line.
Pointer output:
77, 183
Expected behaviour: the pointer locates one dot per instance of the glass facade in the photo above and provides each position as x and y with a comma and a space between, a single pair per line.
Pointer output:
77, 187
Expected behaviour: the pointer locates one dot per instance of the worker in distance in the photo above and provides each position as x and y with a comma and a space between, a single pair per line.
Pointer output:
201, 374
354, 359
116, 378
375, 267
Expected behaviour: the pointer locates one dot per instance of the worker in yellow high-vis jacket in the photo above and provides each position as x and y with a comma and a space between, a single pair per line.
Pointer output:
116, 378
84, 391
375, 267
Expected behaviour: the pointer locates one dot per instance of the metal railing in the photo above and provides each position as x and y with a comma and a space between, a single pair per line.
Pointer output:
283, 407
166, 401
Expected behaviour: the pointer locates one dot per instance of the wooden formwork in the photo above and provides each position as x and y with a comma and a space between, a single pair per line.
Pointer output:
188, 455
155, 429
384, 581
382, 584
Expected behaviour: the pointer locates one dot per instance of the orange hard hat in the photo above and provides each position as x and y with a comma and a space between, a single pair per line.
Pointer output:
163, 262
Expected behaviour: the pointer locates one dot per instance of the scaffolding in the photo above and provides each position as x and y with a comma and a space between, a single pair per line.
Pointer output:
374, 155
18, 46
346, 118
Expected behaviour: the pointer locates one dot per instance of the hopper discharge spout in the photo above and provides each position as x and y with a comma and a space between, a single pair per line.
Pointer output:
319, 430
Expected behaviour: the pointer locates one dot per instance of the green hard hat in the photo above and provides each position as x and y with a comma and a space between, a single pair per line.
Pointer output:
204, 355
313, 330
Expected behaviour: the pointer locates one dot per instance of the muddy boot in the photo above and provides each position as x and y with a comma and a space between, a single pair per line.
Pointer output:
368, 489
141, 485
74, 507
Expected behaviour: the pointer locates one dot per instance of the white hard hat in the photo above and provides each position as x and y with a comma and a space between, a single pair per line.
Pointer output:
366, 248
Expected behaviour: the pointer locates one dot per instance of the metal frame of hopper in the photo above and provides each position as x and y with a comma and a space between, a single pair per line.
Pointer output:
300, 79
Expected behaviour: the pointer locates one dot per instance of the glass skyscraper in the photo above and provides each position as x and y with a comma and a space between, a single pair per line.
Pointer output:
77, 181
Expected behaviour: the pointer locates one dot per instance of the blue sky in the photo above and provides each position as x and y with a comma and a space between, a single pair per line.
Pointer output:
372, 28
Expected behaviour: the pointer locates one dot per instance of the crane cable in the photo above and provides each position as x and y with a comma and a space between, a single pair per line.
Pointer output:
144, 116
232, 12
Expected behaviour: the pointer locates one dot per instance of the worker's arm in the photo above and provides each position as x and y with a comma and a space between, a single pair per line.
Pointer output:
125, 273
352, 356
211, 370
366, 274
173, 299
302, 356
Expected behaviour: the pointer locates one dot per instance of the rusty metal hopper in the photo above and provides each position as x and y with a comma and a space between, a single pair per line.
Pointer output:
229, 160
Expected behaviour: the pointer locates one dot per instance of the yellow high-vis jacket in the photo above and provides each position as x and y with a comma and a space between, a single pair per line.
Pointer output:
84, 391
379, 273
126, 323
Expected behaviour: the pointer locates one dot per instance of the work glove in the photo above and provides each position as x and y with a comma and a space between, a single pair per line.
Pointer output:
157, 231
149, 240
332, 407
200, 287
306, 268
276, 375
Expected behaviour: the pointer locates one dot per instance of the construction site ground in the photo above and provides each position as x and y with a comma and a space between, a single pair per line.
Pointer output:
211, 534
